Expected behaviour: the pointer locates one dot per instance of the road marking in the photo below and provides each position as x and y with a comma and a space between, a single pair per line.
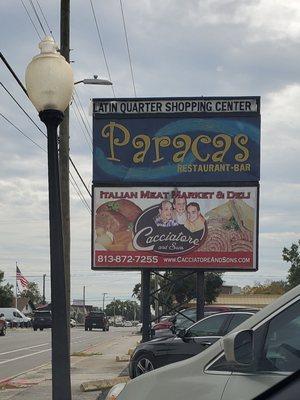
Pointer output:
27, 355
37, 352
38, 345
24, 348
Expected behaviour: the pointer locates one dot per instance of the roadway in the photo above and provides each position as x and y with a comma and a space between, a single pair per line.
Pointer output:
23, 349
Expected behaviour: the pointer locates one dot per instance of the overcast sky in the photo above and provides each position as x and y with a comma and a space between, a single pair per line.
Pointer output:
178, 48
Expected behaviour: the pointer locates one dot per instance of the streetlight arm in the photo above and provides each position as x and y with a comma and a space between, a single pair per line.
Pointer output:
94, 81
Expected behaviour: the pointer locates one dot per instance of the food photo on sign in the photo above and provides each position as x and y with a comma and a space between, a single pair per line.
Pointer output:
213, 227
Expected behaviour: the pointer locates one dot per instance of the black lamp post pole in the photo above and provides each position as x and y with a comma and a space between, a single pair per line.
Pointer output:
61, 384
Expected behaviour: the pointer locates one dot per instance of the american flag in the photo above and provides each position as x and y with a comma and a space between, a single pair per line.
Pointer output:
24, 282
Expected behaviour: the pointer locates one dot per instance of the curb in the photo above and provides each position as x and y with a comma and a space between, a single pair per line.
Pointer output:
130, 352
102, 384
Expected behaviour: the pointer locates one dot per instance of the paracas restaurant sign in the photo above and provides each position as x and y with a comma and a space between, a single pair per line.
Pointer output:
186, 140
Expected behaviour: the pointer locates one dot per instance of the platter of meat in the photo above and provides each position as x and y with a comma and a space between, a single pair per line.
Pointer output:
113, 224
230, 228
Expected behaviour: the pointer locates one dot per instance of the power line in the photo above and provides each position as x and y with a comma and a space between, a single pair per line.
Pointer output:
19, 105
84, 113
13, 73
102, 46
77, 189
38, 18
88, 136
71, 161
24, 134
33, 24
25, 91
79, 122
40, 8
80, 177
128, 51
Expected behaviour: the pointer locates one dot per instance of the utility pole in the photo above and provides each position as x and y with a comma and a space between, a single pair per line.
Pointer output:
114, 311
64, 152
16, 286
103, 301
44, 291
83, 300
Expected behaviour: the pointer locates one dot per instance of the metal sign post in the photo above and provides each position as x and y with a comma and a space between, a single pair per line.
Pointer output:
146, 306
200, 294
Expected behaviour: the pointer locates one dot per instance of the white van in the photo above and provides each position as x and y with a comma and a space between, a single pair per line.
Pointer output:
256, 355
14, 317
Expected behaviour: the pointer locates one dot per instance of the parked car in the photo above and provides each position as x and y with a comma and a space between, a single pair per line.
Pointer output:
127, 324
257, 354
15, 318
2, 325
165, 322
96, 319
41, 320
188, 342
188, 316
119, 323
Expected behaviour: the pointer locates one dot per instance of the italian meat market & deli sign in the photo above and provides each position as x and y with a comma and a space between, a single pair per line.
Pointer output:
213, 227
210, 148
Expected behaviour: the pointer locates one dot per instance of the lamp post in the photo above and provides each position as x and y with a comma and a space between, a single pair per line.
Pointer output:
49, 84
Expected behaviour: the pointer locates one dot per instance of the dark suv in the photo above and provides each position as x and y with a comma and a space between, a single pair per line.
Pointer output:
41, 320
96, 319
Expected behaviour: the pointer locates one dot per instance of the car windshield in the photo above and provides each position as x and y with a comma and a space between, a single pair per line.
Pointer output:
42, 313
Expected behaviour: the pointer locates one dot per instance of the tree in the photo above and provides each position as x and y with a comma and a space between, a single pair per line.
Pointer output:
213, 283
292, 256
6, 293
165, 297
129, 309
269, 287
32, 293
183, 289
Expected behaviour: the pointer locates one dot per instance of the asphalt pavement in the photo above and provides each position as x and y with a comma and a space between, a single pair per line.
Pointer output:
26, 358
23, 349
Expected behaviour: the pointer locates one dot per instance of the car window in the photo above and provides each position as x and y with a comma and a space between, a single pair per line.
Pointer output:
16, 314
282, 346
237, 319
207, 327
279, 351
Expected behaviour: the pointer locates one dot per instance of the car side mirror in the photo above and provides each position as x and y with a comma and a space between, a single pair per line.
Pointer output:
173, 319
238, 347
181, 333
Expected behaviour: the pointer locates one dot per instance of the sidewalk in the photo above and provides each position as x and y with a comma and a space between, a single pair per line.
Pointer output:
87, 366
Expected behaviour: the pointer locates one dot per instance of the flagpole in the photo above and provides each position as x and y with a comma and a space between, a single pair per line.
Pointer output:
16, 285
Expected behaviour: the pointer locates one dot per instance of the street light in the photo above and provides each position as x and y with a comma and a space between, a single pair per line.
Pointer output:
94, 81
49, 84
